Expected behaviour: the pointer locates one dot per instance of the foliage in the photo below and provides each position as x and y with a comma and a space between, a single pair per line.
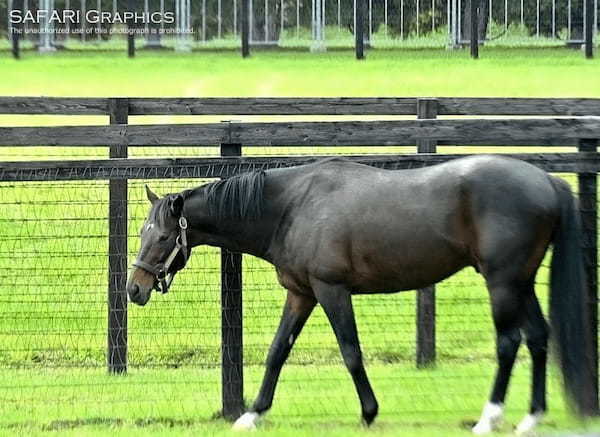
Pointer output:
497, 30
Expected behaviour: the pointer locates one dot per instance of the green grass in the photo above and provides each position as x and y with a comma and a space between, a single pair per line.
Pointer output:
53, 265
499, 72
183, 401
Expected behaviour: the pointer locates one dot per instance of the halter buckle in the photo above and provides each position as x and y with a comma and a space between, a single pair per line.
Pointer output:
183, 224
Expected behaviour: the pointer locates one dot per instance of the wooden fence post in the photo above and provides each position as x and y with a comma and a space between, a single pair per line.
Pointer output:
245, 29
232, 364
359, 32
474, 11
588, 204
117, 252
426, 108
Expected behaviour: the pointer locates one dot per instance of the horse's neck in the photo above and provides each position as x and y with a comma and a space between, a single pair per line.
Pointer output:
244, 236
237, 235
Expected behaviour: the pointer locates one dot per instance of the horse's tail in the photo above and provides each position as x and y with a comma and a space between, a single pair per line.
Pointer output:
568, 303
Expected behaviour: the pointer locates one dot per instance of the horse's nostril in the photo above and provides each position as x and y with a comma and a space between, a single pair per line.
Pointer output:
133, 290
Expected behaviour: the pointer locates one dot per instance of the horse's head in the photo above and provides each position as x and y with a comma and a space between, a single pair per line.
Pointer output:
164, 249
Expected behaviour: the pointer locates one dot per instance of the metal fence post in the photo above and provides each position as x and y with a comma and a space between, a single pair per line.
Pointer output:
17, 30
426, 109
245, 29
232, 370
117, 252
131, 27
589, 28
588, 204
359, 31
474, 11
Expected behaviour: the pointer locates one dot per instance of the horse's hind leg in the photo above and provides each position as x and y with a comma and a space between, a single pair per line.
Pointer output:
506, 301
536, 333
296, 311
336, 301
510, 246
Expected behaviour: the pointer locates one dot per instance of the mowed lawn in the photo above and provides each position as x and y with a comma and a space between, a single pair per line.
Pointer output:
499, 72
52, 299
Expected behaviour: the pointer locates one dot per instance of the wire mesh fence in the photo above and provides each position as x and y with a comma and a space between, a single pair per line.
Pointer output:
53, 253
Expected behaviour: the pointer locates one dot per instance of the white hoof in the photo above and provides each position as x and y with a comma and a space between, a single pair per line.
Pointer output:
482, 428
246, 422
529, 423
491, 418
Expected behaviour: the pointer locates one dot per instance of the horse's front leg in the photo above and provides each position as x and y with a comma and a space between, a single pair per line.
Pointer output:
336, 301
296, 311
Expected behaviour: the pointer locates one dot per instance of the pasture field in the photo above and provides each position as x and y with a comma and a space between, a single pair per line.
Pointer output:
53, 263
412, 402
499, 72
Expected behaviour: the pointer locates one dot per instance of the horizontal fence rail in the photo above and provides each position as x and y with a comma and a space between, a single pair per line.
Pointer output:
303, 106
512, 132
222, 167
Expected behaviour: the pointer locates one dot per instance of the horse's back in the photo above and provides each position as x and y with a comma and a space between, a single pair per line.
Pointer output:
491, 181
383, 230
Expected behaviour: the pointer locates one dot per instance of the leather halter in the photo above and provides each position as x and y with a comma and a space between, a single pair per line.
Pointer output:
161, 270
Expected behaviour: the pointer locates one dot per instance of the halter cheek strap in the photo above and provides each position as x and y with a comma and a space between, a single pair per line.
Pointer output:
161, 270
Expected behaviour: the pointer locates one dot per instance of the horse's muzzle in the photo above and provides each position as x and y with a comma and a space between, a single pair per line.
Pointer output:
137, 295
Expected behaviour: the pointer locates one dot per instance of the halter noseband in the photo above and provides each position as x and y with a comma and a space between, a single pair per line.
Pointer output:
161, 270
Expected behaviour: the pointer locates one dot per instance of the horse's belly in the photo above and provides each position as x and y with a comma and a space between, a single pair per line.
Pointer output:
405, 271
365, 285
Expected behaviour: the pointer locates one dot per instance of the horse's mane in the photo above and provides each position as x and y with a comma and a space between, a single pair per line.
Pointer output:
238, 197
160, 213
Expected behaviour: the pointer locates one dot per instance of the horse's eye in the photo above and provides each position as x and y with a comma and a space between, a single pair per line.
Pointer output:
163, 237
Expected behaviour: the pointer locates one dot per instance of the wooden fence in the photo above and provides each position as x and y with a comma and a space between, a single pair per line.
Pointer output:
552, 122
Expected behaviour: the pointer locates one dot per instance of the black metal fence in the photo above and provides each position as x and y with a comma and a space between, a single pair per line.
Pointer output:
319, 24
42, 198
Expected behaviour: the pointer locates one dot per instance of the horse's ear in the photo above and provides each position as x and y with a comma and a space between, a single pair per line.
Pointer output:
153, 198
176, 204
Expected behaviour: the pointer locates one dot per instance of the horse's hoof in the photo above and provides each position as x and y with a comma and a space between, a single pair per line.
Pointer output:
528, 424
366, 422
490, 420
482, 428
246, 422
368, 419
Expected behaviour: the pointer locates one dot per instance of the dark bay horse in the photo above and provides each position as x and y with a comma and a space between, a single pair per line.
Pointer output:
337, 228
